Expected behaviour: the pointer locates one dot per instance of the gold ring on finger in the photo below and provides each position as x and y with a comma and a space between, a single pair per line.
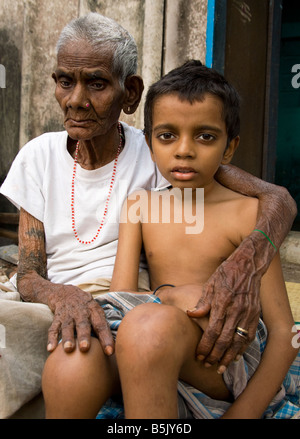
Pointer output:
241, 332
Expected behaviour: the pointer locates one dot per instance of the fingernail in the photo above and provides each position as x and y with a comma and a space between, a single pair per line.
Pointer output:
191, 310
207, 365
68, 344
108, 350
221, 370
84, 344
238, 357
200, 357
49, 347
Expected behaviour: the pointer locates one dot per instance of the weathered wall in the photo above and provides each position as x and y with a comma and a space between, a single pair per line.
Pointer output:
11, 37
167, 32
185, 32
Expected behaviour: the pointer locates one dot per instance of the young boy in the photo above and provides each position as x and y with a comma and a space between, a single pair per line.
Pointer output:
191, 127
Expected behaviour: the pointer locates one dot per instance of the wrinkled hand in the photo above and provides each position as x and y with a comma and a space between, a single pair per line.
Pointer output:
231, 296
75, 309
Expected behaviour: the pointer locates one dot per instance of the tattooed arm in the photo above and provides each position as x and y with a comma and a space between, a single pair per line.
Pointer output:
72, 307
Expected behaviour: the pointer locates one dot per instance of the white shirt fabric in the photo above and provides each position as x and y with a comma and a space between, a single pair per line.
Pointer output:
40, 180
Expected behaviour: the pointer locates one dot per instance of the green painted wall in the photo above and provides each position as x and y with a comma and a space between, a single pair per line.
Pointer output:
288, 140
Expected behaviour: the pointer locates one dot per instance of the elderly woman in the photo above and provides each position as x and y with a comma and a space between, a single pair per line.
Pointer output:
70, 187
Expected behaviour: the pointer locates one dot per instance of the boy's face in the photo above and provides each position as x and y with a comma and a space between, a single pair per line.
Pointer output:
189, 140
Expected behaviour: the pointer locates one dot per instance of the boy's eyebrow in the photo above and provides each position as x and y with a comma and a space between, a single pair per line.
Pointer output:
214, 128
163, 126
170, 126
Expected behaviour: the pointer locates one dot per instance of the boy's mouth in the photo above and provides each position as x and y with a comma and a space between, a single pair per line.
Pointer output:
183, 173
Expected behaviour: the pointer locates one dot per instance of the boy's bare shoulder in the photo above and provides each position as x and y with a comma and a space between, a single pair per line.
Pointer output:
240, 202
225, 194
240, 211
246, 215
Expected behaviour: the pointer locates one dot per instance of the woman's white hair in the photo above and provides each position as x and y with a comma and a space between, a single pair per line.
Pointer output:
103, 34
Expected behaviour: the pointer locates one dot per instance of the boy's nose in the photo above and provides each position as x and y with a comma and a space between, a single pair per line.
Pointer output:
185, 149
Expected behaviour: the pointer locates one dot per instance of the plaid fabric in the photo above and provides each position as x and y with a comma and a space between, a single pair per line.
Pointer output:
113, 409
193, 403
289, 407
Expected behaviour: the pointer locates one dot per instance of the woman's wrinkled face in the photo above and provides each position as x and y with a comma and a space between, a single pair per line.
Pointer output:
88, 92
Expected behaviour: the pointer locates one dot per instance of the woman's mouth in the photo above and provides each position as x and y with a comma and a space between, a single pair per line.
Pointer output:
79, 123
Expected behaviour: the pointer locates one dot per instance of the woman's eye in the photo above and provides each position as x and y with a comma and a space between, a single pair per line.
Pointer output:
64, 83
98, 85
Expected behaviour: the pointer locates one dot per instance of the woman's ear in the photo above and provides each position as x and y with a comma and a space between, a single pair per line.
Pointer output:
230, 150
134, 87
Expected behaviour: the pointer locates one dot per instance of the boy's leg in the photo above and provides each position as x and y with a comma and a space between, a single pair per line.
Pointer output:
156, 346
76, 385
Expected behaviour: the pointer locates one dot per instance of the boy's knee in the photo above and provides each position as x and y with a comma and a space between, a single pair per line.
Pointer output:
148, 318
149, 329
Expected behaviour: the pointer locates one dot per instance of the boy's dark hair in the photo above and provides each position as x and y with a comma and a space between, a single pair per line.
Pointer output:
192, 81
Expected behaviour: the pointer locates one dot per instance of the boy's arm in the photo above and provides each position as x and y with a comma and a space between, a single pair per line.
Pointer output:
126, 268
70, 305
231, 294
279, 352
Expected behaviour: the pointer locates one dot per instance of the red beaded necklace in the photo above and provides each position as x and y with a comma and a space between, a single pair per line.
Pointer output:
108, 196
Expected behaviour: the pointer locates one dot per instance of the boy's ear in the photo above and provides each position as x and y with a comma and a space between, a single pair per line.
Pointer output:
230, 150
134, 87
150, 148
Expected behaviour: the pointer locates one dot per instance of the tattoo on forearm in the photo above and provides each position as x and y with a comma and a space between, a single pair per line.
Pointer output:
32, 253
35, 233
31, 261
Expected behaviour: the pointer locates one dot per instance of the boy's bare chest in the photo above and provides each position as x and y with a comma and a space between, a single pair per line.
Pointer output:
195, 254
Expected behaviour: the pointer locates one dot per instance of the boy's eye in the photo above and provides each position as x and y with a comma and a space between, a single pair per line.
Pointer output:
206, 137
165, 136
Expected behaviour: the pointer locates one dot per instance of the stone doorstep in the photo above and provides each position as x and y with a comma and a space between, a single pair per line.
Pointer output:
290, 249
9, 253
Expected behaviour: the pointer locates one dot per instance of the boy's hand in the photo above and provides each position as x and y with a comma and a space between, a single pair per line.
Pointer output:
231, 296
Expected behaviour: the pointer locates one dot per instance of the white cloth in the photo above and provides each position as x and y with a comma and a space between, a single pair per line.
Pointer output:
39, 181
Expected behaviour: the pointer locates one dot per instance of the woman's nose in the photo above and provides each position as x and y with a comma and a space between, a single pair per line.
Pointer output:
77, 97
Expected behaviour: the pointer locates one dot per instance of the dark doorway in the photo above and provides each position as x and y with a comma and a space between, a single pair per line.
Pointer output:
257, 47
288, 139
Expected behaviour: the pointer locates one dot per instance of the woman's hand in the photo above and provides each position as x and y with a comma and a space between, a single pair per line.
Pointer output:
75, 311
73, 308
